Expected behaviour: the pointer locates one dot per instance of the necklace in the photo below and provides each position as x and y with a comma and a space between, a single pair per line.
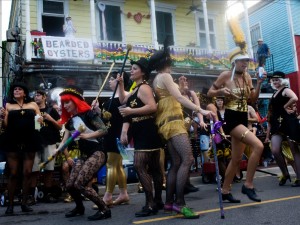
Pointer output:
21, 107
241, 103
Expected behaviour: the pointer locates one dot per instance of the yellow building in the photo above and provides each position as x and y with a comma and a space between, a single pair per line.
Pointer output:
50, 49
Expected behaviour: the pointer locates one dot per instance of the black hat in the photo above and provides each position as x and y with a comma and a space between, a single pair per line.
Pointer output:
73, 90
21, 85
278, 74
142, 62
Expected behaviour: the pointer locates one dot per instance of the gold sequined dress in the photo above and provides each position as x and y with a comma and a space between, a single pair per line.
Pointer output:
169, 117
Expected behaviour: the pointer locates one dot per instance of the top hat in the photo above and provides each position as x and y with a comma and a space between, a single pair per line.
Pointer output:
73, 90
142, 62
21, 85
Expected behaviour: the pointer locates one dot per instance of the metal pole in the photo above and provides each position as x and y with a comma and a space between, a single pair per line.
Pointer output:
212, 131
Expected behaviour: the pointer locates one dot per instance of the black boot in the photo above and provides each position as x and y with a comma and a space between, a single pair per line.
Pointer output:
230, 198
250, 192
100, 215
78, 211
9, 210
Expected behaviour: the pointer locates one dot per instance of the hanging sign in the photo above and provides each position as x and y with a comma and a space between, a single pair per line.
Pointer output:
58, 48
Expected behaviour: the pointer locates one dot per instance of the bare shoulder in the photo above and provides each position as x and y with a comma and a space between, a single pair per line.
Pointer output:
225, 74
145, 87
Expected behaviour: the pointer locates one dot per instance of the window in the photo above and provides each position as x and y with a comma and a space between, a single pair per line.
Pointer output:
164, 27
255, 34
112, 15
202, 33
52, 17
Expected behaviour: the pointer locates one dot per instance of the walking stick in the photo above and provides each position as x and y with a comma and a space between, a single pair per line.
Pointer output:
213, 131
69, 140
104, 82
129, 47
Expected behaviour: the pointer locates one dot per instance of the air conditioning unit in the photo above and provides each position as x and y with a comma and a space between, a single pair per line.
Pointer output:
12, 34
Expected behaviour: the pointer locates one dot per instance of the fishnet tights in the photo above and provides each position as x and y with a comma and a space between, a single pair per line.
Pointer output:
147, 167
181, 160
81, 174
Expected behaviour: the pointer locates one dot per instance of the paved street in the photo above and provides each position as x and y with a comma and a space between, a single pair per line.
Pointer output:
280, 205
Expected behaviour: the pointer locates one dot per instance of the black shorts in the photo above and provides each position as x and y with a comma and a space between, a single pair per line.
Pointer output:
235, 118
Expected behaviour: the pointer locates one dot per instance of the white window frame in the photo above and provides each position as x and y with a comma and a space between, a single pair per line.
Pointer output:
168, 8
254, 39
119, 3
40, 12
210, 17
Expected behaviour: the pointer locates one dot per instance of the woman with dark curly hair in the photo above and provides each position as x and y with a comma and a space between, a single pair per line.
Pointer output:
139, 115
20, 141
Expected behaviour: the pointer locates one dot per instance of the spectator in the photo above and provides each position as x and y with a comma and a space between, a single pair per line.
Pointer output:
263, 52
50, 136
20, 141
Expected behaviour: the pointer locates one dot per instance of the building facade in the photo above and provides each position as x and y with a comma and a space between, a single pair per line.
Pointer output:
41, 54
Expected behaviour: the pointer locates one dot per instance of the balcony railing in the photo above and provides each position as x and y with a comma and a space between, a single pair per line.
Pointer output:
107, 51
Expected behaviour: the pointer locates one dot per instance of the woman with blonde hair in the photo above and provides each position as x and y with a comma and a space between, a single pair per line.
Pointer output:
283, 125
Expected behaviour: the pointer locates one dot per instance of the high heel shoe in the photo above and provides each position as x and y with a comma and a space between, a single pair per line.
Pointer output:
296, 183
100, 215
230, 198
250, 192
75, 212
9, 210
121, 201
108, 203
146, 211
283, 179
26, 208
185, 211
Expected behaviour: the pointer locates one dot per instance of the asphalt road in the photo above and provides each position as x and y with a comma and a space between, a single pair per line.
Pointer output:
280, 205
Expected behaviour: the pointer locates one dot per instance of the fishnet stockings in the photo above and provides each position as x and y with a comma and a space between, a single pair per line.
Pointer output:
81, 174
181, 160
147, 167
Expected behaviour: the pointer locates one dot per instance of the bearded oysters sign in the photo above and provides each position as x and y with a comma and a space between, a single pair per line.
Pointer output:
64, 48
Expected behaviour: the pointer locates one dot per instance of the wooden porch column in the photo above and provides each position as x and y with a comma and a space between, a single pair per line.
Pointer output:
204, 6
28, 49
153, 25
93, 21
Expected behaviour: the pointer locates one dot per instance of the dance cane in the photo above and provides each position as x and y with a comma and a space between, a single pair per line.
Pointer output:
213, 132
129, 47
104, 82
69, 140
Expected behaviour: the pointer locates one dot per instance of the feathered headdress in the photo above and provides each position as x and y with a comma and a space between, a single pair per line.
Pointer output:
240, 52
162, 57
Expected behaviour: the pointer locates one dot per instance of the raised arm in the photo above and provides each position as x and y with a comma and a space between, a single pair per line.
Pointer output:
174, 91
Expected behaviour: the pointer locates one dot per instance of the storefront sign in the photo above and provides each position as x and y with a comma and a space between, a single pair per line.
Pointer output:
77, 49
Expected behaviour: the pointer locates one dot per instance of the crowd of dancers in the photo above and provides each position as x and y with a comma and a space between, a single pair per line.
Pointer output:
152, 116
